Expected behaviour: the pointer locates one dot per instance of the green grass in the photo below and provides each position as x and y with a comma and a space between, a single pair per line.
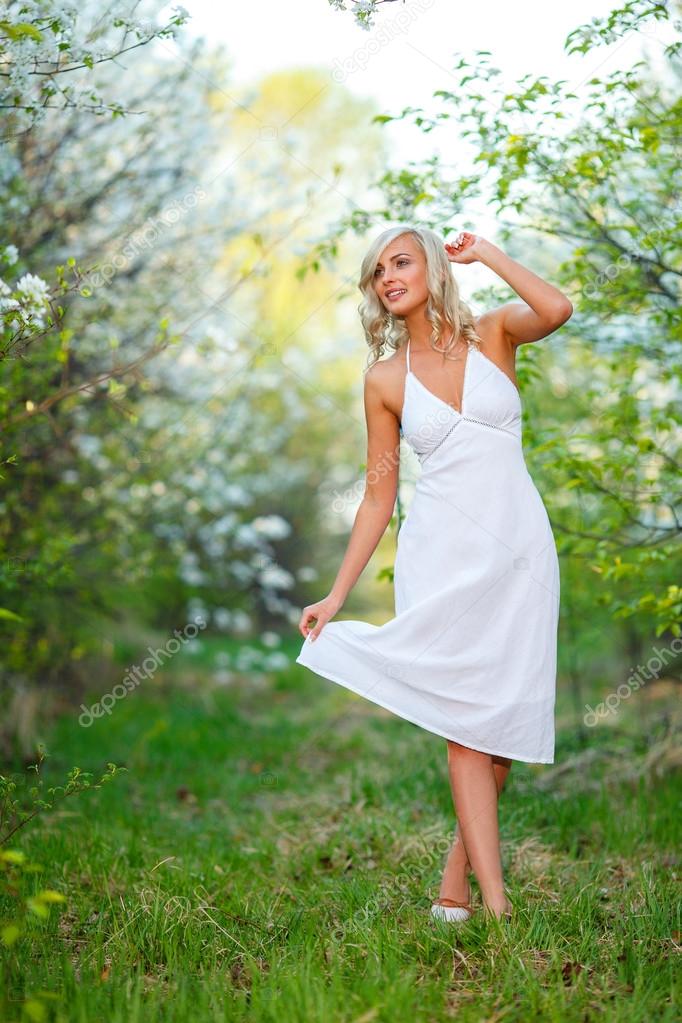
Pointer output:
273, 849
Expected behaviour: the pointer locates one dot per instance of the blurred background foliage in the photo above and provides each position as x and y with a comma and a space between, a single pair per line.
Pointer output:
181, 395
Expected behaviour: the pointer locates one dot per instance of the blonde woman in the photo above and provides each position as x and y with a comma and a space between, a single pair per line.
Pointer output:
471, 652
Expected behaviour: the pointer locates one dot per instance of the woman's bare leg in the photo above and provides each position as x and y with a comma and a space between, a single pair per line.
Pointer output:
454, 884
474, 784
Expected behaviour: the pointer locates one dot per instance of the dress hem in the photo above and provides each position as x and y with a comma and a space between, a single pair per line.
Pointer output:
429, 728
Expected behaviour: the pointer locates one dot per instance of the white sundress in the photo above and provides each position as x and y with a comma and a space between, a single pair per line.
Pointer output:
471, 653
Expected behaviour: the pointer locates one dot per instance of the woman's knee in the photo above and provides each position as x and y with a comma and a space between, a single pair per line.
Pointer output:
457, 750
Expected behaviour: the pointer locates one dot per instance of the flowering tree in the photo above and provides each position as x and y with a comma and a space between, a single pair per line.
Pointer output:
74, 348
24, 306
163, 494
47, 54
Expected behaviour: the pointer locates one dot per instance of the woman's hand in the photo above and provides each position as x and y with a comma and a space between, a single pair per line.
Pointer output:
465, 249
322, 612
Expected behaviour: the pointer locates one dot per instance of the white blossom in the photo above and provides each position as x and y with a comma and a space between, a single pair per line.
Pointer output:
33, 289
273, 527
276, 577
276, 660
221, 619
307, 574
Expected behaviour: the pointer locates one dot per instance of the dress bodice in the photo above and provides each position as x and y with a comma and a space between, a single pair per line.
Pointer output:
490, 402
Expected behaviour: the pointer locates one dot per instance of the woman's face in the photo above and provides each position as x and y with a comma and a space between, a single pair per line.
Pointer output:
400, 276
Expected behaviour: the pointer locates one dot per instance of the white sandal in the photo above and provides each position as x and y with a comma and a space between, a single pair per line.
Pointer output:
452, 911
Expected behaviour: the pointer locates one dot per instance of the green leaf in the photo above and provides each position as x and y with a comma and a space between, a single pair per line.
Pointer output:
49, 895
20, 29
37, 907
12, 855
5, 613
35, 1010
9, 934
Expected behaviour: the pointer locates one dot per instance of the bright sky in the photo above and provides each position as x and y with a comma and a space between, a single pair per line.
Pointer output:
408, 55
410, 51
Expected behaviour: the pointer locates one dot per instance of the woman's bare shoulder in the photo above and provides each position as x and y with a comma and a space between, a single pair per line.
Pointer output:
384, 379
386, 369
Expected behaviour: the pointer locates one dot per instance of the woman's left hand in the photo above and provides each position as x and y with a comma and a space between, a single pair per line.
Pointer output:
465, 248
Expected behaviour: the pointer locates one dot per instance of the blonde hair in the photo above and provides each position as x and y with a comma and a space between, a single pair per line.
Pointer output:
444, 307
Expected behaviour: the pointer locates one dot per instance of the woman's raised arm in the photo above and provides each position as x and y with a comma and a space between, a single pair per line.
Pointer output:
544, 307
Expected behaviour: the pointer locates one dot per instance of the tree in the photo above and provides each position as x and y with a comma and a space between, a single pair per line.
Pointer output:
47, 55
152, 478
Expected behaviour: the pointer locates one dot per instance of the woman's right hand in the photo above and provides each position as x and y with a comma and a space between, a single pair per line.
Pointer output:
322, 611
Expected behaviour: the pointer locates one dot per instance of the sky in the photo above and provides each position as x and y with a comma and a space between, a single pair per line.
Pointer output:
409, 53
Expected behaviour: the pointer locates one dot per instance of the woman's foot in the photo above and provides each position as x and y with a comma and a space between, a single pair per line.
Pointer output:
500, 909
452, 914
454, 910
455, 907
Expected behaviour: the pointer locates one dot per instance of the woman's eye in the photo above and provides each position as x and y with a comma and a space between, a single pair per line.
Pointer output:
401, 262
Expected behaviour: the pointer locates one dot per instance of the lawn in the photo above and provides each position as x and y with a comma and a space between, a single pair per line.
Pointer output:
273, 846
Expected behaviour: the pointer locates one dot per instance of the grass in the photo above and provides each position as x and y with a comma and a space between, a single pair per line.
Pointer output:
274, 846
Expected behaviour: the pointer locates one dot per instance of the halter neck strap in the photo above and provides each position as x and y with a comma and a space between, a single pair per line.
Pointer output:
407, 354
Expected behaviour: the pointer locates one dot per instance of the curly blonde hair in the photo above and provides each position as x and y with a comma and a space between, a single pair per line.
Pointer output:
444, 307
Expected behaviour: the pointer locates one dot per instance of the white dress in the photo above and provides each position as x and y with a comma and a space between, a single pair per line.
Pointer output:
471, 652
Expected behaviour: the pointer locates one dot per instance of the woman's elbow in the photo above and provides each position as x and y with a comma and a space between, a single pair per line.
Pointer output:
562, 311
380, 506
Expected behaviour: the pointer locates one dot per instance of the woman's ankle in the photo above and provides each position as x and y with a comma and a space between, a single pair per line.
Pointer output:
455, 885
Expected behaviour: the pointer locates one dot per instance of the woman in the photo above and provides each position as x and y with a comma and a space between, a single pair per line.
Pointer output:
471, 652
